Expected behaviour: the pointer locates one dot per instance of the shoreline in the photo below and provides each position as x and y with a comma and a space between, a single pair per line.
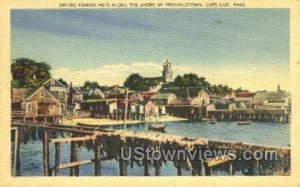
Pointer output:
105, 122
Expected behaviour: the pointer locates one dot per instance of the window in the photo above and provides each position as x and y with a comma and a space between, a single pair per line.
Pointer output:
42, 94
61, 95
51, 107
29, 107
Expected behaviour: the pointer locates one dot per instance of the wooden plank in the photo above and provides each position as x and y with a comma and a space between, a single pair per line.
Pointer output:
58, 128
75, 164
72, 139
217, 160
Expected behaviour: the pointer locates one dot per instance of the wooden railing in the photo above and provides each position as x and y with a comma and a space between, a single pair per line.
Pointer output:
17, 113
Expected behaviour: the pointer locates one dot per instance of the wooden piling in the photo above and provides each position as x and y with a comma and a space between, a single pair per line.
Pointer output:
179, 168
157, 168
122, 164
74, 171
56, 161
97, 158
16, 151
208, 170
46, 153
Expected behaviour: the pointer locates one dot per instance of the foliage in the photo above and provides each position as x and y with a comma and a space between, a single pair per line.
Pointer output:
190, 80
63, 82
220, 89
137, 83
90, 85
29, 73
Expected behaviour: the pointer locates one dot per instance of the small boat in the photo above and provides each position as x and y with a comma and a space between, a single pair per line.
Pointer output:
157, 127
243, 122
205, 119
212, 122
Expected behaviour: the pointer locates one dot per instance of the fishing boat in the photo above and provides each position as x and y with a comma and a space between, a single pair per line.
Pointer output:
243, 122
157, 127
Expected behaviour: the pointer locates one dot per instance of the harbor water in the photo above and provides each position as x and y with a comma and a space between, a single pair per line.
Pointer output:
260, 133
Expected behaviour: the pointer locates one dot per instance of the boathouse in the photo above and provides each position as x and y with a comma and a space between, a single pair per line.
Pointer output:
35, 103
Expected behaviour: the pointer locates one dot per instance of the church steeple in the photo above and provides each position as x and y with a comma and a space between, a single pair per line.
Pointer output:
167, 72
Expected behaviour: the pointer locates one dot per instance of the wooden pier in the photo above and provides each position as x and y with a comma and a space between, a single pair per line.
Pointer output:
111, 142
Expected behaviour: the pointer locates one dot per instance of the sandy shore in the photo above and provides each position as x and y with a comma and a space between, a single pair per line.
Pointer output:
93, 121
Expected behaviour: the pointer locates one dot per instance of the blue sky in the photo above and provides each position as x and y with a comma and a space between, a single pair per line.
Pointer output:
239, 47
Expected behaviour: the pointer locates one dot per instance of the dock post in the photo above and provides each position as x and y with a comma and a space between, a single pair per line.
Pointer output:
179, 168
97, 158
157, 168
208, 170
74, 171
16, 159
46, 153
122, 164
57, 154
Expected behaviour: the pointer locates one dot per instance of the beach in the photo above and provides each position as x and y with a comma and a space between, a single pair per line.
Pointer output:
94, 121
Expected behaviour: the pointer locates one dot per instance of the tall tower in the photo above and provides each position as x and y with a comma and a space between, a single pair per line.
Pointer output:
167, 72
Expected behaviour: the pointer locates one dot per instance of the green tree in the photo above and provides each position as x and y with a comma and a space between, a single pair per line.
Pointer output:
90, 85
190, 80
63, 82
134, 82
29, 73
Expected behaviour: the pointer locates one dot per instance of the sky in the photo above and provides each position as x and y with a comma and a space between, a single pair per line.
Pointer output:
238, 47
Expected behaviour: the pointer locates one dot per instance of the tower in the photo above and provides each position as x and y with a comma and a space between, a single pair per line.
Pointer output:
167, 72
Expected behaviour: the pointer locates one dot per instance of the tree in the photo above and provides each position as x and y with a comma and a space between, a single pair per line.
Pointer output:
29, 73
134, 82
63, 82
220, 89
190, 80
90, 85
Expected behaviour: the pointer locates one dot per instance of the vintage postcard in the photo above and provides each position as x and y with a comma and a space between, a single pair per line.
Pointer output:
159, 92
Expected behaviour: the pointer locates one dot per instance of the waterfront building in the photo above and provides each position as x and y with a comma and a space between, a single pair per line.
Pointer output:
59, 90
34, 103
163, 98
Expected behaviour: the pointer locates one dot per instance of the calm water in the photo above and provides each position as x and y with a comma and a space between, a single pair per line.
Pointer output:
263, 133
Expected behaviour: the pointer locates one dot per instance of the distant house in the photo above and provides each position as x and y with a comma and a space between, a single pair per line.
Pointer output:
100, 108
210, 107
203, 96
230, 96
185, 101
96, 93
163, 98
195, 95
155, 83
35, 103
59, 90
147, 95
74, 99
266, 99
136, 97
149, 107
115, 90
224, 105
244, 99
